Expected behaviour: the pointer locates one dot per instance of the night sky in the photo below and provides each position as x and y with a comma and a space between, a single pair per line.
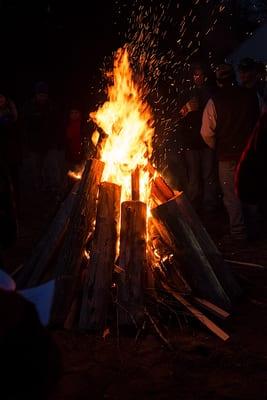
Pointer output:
66, 42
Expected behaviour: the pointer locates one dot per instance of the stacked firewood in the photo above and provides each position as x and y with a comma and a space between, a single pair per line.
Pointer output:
168, 252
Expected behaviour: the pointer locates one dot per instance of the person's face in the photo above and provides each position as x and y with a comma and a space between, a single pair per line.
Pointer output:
41, 98
247, 78
199, 77
75, 115
2, 100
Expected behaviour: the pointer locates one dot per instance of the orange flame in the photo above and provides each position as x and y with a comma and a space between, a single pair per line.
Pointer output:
127, 120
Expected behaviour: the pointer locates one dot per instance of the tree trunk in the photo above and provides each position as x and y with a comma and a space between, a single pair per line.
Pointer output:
96, 290
81, 224
180, 236
132, 260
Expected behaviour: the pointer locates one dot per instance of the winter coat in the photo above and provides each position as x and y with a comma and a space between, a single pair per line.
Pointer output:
9, 136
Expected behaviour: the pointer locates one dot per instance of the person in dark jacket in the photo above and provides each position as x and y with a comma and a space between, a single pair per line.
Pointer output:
228, 120
10, 143
76, 138
251, 75
8, 213
199, 158
43, 138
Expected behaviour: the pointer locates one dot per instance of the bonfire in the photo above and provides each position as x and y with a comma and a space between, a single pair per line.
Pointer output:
123, 238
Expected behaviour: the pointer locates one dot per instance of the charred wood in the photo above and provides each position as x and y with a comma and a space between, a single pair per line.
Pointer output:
180, 236
132, 260
34, 269
97, 286
81, 224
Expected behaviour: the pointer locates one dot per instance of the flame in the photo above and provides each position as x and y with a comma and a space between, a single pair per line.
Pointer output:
127, 120
75, 175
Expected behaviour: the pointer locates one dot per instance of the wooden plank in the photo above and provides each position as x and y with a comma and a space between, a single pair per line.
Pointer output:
195, 266
215, 258
96, 288
198, 314
219, 312
164, 187
72, 252
33, 270
135, 181
132, 259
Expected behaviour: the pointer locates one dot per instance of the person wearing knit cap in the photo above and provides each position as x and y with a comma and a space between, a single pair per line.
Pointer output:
251, 75
228, 119
200, 188
247, 72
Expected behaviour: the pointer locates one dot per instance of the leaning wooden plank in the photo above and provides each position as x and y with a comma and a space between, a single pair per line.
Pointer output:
195, 266
219, 266
198, 314
81, 225
96, 288
219, 312
34, 268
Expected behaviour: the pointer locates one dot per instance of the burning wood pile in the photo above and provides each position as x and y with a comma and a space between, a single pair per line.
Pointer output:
123, 235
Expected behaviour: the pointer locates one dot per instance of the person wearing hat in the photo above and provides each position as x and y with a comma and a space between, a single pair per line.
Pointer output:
228, 120
199, 158
247, 73
250, 75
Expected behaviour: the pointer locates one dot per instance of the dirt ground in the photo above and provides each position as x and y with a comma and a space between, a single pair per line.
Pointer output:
200, 366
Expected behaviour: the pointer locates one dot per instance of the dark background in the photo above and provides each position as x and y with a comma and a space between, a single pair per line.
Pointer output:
65, 42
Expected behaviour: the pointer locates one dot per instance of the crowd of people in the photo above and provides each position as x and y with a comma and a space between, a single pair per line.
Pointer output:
218, 123
36, 138
224, 134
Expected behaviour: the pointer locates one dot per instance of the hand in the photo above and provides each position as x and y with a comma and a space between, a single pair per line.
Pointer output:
192, 105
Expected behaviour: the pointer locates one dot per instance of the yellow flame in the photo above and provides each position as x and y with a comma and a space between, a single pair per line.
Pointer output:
75, 175
127, 120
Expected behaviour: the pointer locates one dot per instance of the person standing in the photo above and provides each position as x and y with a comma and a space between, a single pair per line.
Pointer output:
251, 75
10, 143
75, 138
42, 132
228, 119
199, 158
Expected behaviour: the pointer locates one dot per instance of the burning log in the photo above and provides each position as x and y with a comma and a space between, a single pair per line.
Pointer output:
46, 249
135, 180
71, 254
96, 290
215, 258
171, 219
132, 260
160, 190
168, 264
